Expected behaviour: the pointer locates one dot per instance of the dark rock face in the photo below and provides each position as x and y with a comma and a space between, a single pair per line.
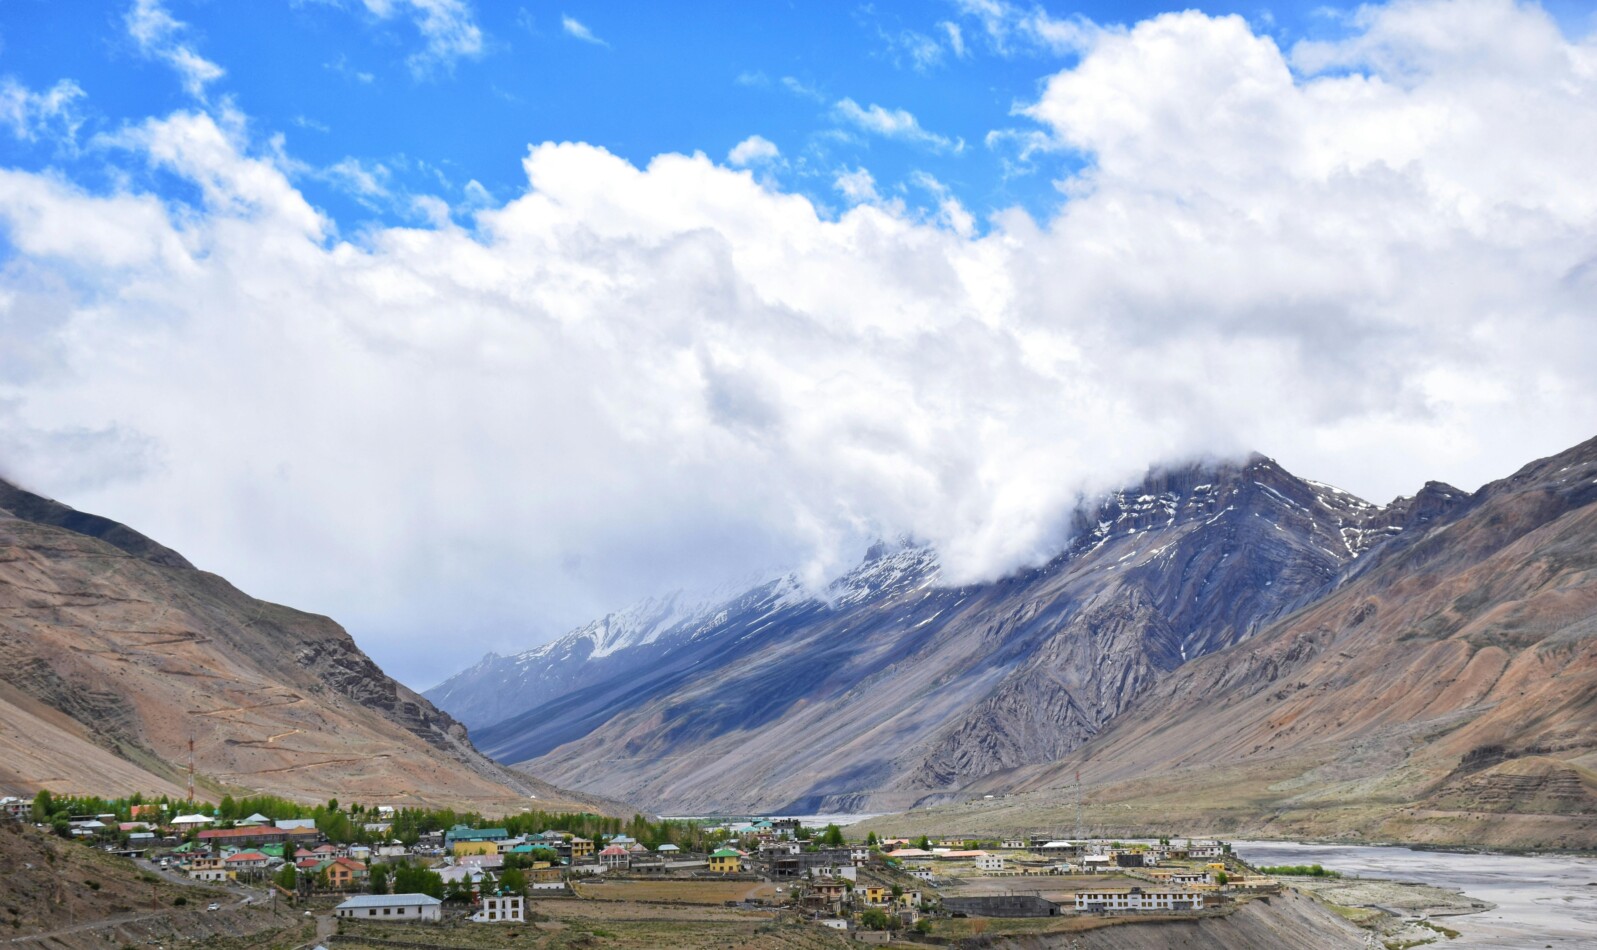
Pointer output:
890, 690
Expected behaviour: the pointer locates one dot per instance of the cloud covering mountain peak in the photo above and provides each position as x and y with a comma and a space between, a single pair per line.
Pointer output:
1359, 256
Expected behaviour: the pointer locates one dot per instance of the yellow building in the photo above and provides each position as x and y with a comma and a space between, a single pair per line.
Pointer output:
725, 861
876, 894
581, 848
460, 848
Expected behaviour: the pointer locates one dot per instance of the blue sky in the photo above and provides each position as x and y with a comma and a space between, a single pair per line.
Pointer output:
299, 289
367, 86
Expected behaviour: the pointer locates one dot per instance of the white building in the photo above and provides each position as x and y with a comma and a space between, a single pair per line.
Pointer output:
502, 910
184, 822
989, 862
391, 907
836, 923
1138, 899
210, 874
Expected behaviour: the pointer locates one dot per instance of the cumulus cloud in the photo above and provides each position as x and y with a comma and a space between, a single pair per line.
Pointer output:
159, 36
754, 150
576, 28
625, 379
897, 124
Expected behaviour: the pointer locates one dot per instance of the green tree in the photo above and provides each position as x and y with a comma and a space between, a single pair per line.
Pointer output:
409, 879
377, 877
43, 807
870, 839
1222, 878
332, 804
287, 878
513, 881
874, 919
923, 843
832, 837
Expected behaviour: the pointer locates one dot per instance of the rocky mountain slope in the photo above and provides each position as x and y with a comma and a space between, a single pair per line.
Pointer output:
891, 690
115, 651
1445, 692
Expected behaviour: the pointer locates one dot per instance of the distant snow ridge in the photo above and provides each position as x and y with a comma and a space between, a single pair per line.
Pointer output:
632, 642
642, 623
886, 570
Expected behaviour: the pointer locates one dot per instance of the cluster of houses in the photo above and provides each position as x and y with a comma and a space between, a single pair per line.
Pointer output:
833, 885
1170, 877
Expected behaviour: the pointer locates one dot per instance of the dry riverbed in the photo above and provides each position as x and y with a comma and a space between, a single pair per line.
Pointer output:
1402, 913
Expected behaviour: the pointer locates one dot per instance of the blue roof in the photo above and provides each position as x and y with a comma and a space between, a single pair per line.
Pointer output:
388, 900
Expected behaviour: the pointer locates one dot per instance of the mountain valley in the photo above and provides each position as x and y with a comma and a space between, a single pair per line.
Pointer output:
1177, 600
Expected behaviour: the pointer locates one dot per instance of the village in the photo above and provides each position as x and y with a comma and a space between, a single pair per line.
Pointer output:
868, 889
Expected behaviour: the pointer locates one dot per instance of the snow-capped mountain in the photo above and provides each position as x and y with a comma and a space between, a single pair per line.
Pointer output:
887, 688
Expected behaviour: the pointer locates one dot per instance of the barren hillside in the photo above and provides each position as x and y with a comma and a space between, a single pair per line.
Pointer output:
114, 652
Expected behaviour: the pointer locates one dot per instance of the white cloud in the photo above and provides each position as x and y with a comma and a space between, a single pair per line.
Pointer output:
923, 52
342, 67
950, 212
160, 36
857, 185
799, 87
576, 28
360, 181
893, 124
51, 114
1011, 28
629, 379
448, 28
754, 150
956, 38
1019, 149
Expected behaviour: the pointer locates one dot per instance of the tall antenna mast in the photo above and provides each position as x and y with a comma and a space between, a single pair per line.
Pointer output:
191, 771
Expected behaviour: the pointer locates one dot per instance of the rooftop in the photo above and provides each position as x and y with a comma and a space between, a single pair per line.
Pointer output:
389, 900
